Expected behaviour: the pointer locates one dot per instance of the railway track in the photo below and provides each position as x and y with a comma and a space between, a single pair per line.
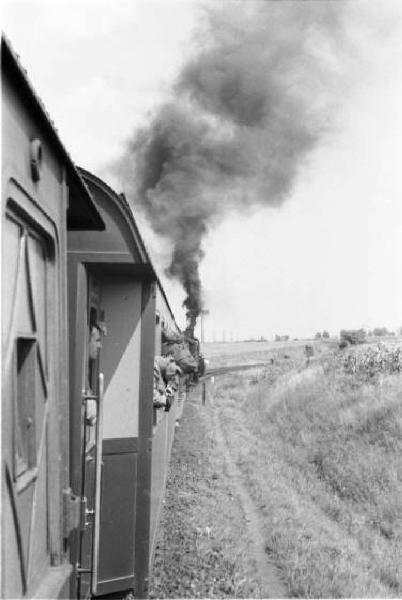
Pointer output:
230, 369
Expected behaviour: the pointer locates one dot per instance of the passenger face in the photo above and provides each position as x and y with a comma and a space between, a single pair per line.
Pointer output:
95, 343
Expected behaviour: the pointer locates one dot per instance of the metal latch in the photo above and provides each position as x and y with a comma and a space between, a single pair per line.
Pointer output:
71, 512
83, 519
89, 514
81, 570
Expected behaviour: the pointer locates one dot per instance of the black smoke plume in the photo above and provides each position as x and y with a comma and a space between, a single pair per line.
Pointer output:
246, 111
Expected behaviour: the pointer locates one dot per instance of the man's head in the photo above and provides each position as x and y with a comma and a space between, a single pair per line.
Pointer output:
95, 342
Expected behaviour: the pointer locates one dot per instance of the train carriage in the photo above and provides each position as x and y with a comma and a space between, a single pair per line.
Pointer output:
113, 285
43, 198
84, 450
164, 423
112, 288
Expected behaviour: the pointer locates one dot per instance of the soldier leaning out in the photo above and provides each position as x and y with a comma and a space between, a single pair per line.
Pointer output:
166, 381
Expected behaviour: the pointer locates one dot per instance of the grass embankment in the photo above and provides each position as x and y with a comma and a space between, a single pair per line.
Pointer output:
321, 452
201, 550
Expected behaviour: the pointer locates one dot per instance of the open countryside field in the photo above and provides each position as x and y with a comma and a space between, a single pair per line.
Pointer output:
316, 455
221, 353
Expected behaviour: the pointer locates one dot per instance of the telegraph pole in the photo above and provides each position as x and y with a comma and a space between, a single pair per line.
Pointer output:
203, 314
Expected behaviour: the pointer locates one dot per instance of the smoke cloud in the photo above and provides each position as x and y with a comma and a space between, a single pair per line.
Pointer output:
246, 112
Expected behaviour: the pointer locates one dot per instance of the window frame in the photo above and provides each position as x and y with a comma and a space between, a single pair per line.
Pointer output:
24, 398
26, 471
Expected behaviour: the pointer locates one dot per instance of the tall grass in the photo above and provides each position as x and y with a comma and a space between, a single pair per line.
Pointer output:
321, 452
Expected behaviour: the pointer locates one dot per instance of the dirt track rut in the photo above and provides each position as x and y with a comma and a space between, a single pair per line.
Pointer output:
210, 541
268, 574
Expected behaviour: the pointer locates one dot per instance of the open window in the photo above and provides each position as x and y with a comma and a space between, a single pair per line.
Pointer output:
25, 426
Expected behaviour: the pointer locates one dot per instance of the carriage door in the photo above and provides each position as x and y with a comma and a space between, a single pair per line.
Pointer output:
30, 438
91, 451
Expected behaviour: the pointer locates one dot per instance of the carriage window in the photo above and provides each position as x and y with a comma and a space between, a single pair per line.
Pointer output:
30, 253
25, 452
38, 275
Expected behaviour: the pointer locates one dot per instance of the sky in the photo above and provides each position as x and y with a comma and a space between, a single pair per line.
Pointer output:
330, 257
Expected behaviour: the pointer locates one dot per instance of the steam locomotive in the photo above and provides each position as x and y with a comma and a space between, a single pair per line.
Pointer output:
84, 450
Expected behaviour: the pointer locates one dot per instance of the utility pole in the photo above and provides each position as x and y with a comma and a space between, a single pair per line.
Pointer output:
203, 314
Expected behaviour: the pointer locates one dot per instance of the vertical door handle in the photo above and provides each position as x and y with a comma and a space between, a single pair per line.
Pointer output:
98, 475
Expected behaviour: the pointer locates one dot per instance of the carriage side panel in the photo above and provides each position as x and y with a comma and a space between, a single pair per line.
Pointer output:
34, 346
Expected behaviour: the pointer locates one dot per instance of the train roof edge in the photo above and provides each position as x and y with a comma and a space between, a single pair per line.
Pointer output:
82, 213
124, 204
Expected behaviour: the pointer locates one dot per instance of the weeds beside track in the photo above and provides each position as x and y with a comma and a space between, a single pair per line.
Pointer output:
318, 452
321, 451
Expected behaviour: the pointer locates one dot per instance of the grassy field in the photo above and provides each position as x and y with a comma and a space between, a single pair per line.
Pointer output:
222, 354
320, 449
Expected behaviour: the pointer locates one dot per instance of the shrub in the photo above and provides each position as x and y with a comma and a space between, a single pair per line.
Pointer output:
380, 331
373, 362
353, 336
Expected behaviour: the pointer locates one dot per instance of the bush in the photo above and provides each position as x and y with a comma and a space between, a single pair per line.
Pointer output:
373, 362
353, 336
380, 331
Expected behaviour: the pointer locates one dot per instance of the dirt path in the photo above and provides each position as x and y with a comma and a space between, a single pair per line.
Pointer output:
210, 541
271, 583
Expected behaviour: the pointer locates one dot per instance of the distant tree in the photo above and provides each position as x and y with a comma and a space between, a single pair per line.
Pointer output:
277, 338
352, 336
317, 336
325, 334
380, 331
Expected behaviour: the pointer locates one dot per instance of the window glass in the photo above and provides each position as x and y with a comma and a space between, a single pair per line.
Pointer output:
25, 452
37, 264
11, 244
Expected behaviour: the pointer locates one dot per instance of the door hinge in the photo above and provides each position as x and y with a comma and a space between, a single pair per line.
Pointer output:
88, 395
71, 512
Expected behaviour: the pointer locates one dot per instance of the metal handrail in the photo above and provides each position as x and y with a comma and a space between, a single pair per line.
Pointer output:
98, 477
